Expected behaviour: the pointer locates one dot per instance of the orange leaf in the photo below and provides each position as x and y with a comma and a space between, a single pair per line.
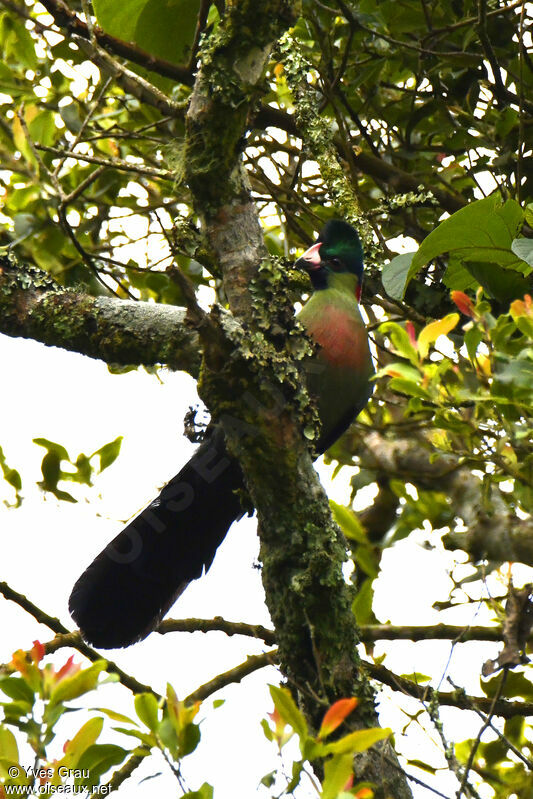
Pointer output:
336, 715
521, 307
464, 303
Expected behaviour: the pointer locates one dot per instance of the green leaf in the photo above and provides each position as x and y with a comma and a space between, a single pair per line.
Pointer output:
98, 759
416, 676
109, 452
81, 683
348, 522
70, 114
289, 712
14, 710
358, 741
400, 340
362, 604
147, 709
188, 739
17, 688
204, 792
297, 768
42, 128
269, 779
269, 735
409, 387
16, 42
395, 275
24, 225
85, 737
8, 745
499, 283
366, 559
337, 772
424, 766
112, 714
482, 231
52, 446
518, 372
147, 738
164, 28
472, 340
524, 249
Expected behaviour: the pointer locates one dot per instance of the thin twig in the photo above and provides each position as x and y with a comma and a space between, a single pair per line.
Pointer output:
510, 745
117, 163
482, 729
502, 708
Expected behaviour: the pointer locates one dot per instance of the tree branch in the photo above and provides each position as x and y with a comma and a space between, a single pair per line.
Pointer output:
397, 179
73, 639
219, 624
236, 674
69, 21
32, 305
302, 550
499, 535
368, 633
502, 707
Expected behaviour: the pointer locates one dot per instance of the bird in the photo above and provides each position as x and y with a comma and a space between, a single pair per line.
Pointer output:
130, 586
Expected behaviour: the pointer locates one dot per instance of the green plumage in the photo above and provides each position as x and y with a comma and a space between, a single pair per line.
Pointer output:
339, 377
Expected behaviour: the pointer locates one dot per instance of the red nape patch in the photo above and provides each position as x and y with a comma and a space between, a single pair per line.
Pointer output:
342, 337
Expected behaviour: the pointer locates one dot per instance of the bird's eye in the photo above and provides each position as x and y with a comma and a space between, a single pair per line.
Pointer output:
336, 263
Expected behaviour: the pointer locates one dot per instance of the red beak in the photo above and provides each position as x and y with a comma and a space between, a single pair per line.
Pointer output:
311, 257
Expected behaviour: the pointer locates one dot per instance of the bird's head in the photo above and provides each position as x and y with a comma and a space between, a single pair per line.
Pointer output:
337, 251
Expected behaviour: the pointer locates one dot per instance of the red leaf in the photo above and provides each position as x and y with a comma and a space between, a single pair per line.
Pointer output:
37, 651
464, 303
336, 715
69, 669
409, 326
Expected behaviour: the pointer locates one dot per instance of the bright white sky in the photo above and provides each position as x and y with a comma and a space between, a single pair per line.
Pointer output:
74, 400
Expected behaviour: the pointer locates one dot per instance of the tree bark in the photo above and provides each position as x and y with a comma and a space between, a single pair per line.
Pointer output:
124, 332
302, 550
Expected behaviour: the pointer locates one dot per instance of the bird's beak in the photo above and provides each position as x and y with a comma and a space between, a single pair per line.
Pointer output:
310, 260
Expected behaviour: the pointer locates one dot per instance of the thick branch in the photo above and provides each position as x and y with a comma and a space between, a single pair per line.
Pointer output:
33, 306
301, 549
